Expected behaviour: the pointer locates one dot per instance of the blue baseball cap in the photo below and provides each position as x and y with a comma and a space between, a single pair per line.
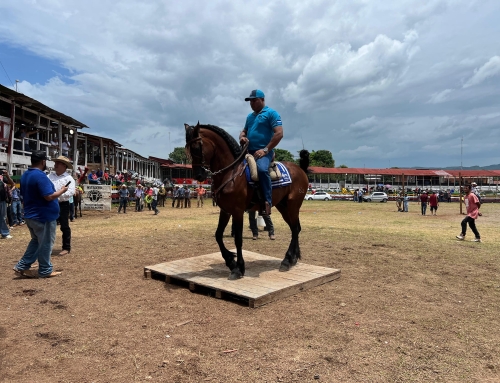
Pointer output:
256, 93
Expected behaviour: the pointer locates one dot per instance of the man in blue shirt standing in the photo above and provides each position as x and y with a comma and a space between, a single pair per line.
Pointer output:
263, 130
41, 210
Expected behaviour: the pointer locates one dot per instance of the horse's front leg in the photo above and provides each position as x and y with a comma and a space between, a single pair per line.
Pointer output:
226, 254
239, 270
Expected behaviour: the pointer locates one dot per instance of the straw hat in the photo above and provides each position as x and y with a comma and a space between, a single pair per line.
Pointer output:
65, 161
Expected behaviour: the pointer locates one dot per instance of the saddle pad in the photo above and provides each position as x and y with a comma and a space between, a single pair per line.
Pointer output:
285, 179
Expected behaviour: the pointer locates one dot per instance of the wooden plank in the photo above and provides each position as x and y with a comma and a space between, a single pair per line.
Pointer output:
262, 283
147, 274
279, 294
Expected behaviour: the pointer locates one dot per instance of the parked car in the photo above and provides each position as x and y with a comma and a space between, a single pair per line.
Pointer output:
376, 197
319, 196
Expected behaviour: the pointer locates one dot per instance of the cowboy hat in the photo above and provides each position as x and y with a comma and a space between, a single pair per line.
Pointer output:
65, 161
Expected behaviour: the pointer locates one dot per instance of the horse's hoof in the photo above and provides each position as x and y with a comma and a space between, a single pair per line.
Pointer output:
235, 275
285, 266
294, 262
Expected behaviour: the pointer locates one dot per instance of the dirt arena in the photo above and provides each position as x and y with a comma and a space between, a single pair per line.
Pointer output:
412, 304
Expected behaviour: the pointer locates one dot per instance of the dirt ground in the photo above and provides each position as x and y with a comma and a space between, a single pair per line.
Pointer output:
412, 304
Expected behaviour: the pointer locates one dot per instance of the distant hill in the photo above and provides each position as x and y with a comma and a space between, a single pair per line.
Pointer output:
489, 167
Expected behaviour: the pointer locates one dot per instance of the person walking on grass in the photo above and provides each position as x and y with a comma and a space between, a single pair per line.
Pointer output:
472, 205
154, 203
434, 203
124, 194
60, 178
424, 200
41, 210
406, 199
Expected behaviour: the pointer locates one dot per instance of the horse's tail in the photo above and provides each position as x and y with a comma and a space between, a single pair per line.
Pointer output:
304, 160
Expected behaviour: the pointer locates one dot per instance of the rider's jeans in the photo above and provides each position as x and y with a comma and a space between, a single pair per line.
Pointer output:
264, 177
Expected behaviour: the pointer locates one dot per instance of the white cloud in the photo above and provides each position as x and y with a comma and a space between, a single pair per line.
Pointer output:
345, 75
440, 97
488, 70
341, 72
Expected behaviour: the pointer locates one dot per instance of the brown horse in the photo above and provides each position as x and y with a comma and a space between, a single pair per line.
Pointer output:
213, 150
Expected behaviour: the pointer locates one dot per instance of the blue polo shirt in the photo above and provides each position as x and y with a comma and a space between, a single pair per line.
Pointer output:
34, 186
260, 127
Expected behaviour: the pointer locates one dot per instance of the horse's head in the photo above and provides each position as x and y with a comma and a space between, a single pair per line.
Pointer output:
200, 158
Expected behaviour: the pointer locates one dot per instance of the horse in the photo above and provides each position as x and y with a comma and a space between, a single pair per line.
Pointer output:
77, 200
213, 150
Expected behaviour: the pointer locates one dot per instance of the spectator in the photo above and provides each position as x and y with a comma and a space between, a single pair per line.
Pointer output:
54, 147
154, 203
434, 203
40, 212
60, 178
16, 207
200, 195
472, 205
138, 193
65, 146
124, 194
406, 199
93, 179
99, 173
4, 196
175, 195
253, 225
187, 197
424, 200
162, 195
180, 198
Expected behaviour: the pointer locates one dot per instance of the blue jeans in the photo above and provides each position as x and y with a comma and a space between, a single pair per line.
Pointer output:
40, 246
405, 206
4, 229
16, 212
264, 177
424, 207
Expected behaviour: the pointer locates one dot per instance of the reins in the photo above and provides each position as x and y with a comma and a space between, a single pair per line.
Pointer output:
202, 165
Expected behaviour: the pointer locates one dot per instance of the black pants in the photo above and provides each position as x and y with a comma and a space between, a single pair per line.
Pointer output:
252, 217
472, 224
64, 222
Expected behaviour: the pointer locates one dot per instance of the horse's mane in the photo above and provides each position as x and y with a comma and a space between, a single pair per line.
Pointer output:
233, 145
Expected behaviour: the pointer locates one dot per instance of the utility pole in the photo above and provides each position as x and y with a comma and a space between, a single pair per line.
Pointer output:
461, 151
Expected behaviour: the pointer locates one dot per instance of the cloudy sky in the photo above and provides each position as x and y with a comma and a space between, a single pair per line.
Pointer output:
378, 83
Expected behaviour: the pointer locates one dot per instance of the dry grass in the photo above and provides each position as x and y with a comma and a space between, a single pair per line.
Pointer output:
412, 303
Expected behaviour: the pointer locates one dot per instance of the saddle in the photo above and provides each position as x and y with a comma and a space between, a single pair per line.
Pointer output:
274, 172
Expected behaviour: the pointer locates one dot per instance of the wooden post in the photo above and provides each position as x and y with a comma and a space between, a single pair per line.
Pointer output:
460, 188
86, 154
37, 132
403, 183
10, 147
59, 132
101, 148
75, 150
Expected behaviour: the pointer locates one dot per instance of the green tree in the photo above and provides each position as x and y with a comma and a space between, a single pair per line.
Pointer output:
283, 155
179, 156
343, 166
322, 158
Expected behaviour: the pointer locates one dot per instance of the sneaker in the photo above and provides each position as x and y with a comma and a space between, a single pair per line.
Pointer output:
272, 237
460, 237
25, 273
476, 240
7, 237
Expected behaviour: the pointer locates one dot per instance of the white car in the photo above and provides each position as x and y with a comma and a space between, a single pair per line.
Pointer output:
376, 197
323, 196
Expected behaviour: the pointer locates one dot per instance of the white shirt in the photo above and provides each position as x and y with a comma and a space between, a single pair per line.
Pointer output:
155, 193
60, 181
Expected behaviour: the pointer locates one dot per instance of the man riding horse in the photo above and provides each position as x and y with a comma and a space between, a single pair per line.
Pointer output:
263, 131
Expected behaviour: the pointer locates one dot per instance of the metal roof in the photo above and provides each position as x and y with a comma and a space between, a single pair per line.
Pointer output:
407, 172
35, 105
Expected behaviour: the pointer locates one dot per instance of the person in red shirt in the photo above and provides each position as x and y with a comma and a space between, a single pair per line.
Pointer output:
424, 200
472, 204
434, 203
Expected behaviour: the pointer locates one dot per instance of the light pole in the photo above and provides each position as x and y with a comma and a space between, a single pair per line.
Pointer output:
461, 151
16, 84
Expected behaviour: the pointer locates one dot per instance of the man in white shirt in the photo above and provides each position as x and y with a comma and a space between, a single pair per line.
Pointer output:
65, 147
60, 178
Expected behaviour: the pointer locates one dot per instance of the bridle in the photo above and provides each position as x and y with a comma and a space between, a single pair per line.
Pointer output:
202, 164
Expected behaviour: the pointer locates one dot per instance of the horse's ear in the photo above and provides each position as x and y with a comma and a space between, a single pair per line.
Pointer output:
196, 131
186, 126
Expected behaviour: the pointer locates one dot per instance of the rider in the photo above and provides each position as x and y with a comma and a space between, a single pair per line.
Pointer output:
263, 130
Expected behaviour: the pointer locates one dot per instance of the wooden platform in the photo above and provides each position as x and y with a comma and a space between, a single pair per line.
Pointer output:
261, 284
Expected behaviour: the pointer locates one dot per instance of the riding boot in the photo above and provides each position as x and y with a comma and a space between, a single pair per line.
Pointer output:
265, 209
